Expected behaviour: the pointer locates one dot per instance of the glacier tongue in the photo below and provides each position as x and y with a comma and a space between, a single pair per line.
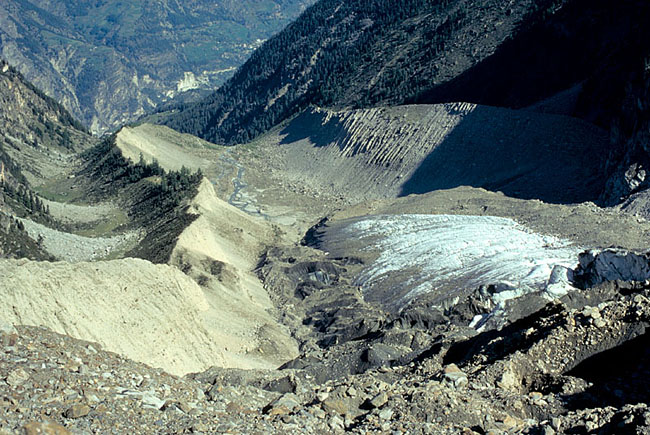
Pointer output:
448, 255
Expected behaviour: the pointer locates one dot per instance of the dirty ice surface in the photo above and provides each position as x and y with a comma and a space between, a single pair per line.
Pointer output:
447, 254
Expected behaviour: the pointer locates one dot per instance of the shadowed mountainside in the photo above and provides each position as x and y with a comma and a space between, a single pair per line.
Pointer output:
552, 158
579, 58
360, 53
367, 53
595, 44
389, 152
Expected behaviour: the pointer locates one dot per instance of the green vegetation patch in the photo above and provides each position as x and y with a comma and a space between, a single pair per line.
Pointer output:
63, 190
116, 220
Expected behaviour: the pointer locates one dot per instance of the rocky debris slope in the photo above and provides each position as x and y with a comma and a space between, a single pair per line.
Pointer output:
388, 152
53, 383
574, 366
74, 248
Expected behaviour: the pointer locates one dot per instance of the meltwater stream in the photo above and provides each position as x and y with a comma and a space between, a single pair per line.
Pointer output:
238, 198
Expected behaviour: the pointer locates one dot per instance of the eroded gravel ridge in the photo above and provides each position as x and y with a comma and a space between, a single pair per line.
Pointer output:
389, 152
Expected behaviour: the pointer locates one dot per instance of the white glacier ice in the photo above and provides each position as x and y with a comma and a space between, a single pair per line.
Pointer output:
448, 253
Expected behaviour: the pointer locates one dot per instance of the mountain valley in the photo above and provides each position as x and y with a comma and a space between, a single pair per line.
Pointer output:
110, 62
422, 255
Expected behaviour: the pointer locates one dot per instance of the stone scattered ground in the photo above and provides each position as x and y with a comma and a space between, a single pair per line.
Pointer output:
561, 370
74, 248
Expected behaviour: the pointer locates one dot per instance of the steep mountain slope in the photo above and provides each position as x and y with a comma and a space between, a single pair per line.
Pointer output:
34, 124
629, 158
38, 141
579, 58
367, 53
597, 53
109, 62
397, 151
353, 53
597, 45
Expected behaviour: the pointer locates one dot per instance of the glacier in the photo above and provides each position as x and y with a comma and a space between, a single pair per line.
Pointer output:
446, 254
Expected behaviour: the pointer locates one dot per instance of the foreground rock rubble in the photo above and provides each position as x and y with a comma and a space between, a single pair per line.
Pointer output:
575, 365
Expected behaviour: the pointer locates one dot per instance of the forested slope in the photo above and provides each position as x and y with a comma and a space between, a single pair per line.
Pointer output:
357, 53
368, 53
